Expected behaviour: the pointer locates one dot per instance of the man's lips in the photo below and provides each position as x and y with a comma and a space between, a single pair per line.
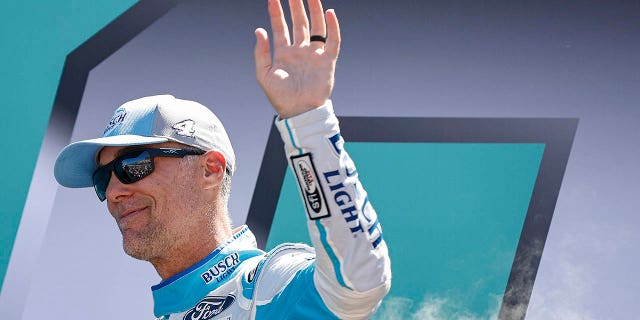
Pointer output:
131, 212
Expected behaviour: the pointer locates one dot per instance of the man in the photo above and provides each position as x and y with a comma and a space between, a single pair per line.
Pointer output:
164, 167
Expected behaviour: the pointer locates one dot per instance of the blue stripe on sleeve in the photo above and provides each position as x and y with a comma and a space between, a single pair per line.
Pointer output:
331, 254
293, 142
323, 233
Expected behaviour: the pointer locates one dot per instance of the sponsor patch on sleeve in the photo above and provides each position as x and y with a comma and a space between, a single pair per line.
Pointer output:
312, 194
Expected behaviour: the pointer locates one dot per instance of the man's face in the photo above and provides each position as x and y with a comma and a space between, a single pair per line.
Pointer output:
155, 214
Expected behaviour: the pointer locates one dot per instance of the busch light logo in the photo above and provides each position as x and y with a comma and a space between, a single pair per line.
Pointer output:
117, 119
337, 142
222, 269
358, 219
209, 307
309, 186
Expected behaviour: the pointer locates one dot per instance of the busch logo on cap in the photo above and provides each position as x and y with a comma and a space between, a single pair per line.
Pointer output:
117, 119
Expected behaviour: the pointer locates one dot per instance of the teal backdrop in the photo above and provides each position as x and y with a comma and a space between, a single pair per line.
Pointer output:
452, 214
36, 37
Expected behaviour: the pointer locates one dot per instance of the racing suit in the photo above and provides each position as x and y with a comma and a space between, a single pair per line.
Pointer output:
345, 277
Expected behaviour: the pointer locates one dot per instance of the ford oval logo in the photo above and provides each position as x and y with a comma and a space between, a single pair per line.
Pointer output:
209, 307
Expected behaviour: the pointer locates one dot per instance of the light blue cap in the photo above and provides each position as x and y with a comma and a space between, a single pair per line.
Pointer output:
147, 120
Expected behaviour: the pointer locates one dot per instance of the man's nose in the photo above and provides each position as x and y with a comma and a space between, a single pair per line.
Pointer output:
116, 189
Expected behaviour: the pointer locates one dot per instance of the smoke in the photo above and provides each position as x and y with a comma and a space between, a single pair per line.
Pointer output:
568, 286
566, 298
434, 308
520, 286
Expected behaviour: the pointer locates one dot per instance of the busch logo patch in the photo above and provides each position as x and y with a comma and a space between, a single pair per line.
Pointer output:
222, 269
209, 307
310, 188
117, 119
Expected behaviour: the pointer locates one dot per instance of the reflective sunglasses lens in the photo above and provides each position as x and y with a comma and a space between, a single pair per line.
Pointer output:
101, 180
135, 167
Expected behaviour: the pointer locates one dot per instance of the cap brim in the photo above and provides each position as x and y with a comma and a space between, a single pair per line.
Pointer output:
76, 163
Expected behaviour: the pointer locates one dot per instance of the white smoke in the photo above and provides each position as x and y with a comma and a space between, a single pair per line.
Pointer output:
434, 308
567, 287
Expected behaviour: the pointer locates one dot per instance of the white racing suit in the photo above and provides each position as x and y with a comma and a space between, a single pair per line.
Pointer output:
345, 277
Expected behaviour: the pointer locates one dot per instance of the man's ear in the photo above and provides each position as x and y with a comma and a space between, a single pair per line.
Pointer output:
214, 168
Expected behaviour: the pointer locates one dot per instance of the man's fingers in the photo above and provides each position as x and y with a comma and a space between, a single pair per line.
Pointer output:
318, 26
262, 52
278, 24
332, 46
300, 22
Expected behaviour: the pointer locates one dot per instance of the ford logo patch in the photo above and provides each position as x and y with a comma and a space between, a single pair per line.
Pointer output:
209, 307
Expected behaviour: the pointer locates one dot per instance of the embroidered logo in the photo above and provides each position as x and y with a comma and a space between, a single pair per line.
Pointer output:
310, 186
222, 269
209, 307
118, 118
185, 128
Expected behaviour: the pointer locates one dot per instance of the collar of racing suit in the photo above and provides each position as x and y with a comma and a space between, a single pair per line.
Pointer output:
186, 288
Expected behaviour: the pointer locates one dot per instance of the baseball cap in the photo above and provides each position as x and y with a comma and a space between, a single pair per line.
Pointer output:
147, 120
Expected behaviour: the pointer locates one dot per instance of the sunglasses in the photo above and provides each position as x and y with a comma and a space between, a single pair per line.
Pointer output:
133, 166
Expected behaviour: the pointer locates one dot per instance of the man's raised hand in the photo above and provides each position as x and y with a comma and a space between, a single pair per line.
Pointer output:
300, 76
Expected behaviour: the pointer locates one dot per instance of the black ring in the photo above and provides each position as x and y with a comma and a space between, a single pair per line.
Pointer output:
318, 38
